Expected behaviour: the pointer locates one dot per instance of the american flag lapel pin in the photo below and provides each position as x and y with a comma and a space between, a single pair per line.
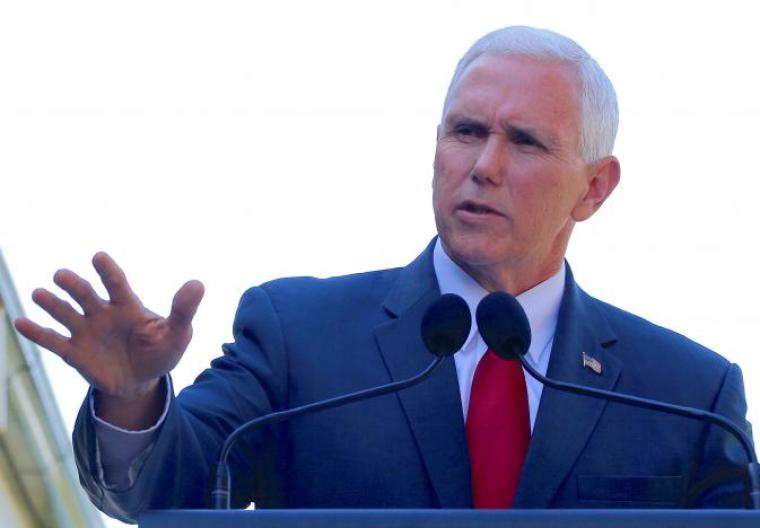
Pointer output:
592, 363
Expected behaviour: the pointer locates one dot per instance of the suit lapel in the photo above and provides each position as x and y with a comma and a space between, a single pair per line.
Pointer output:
569, 417
433, 408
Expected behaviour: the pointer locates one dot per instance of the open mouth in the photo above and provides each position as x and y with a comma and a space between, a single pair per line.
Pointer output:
475, 208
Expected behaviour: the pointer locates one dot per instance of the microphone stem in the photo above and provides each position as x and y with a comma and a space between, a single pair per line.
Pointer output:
688, 412
221, 480
754, 484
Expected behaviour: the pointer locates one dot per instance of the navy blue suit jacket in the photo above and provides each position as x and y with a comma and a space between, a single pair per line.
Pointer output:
301, 340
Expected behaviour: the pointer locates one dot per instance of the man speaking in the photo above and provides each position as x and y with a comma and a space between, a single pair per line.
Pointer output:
524, 151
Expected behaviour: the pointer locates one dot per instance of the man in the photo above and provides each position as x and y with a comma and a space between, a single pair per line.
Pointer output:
523, 153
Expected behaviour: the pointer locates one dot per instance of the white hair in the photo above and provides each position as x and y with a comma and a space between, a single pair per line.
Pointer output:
599, 109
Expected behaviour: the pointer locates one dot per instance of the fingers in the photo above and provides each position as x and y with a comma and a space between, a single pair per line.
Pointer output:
59, 309
113, 278
185, 304
79, 289
44, 337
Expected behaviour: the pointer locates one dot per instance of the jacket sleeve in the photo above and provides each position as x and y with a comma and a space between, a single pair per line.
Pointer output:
249, 380
720, 474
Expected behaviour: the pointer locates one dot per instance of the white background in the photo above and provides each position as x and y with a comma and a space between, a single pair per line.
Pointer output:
235, 142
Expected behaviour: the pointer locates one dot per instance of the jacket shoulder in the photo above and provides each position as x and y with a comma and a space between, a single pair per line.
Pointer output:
631, 327
670, 364
340, 295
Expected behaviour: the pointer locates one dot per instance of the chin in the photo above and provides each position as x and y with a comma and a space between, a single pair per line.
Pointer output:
472, 251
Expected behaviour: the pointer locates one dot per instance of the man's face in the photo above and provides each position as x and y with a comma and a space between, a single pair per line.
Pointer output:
508, 173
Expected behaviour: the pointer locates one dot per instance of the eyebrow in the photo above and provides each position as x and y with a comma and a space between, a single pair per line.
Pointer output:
458, 119
547, 140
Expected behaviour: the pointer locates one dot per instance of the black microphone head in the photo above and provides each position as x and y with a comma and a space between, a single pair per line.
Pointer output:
503, 325
446, 325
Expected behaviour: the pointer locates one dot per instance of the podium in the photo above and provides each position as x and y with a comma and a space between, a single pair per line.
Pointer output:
451, 518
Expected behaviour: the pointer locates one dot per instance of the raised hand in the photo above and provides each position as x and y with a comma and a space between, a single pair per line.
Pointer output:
119, 346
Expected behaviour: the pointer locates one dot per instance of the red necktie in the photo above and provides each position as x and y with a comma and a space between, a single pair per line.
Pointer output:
498, 430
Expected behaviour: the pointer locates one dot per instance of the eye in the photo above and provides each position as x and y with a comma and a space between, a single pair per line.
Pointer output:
469, 131
522, 138
464, 130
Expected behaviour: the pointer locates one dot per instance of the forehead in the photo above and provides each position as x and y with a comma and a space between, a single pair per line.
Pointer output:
515, 88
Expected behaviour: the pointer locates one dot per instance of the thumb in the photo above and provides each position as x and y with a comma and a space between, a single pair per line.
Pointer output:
185, 304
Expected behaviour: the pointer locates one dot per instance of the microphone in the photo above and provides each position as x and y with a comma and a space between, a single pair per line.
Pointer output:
505, 329
444, 328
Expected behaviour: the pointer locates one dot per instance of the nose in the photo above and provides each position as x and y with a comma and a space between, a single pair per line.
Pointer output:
491, 162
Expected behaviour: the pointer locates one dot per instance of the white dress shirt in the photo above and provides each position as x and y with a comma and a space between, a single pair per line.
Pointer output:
541, 305
119, 451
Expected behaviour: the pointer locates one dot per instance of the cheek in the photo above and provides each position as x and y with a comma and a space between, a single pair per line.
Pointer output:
539, 194
442, 195
442, 176
548, 207
453, 161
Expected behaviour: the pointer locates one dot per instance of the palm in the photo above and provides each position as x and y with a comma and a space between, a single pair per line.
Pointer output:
126, 347
118, 345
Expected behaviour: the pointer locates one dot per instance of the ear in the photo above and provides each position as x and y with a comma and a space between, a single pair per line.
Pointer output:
603, 177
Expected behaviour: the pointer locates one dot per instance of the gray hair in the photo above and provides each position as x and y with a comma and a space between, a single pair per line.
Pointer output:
599, 109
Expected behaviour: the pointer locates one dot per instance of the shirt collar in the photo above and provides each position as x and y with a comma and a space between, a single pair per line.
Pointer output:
541, 303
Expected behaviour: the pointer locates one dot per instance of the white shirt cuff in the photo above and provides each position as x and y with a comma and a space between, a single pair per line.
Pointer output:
119, 453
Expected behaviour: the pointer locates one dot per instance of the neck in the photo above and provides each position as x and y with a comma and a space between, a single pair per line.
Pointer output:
512, 281
513, 277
